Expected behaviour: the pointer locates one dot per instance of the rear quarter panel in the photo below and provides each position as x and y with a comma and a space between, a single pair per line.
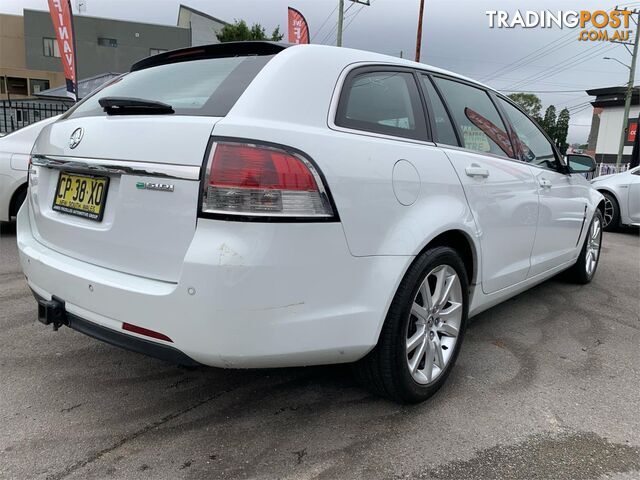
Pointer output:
292, 102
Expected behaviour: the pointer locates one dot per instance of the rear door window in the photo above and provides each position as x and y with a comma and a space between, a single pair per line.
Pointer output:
444, 132
384, 102
207, 87
476, 117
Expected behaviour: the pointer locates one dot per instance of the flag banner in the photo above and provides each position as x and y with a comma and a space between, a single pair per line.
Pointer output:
62, 18
298, 28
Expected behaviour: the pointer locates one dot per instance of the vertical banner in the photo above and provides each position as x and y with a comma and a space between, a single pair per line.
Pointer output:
62, 18
298, 28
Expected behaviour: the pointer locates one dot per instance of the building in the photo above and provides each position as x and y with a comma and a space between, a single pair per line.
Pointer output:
102, 44
20, 80
608, 113
204, 28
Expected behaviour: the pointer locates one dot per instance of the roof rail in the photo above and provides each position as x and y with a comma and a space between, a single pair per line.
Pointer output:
217, 50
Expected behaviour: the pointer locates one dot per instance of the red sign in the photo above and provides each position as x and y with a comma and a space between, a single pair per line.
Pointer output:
633, 130
62, 17
298, 28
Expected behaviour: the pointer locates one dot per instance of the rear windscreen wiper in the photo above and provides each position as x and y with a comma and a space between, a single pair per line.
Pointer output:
133, 106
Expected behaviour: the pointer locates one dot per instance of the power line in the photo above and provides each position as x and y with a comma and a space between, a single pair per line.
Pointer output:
527, 60
589, 54
325, 22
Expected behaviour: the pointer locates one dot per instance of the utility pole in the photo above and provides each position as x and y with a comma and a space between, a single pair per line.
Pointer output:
419, 39
341, 17
629, 94
340, 21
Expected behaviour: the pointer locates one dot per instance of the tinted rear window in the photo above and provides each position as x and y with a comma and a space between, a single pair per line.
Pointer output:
208, 87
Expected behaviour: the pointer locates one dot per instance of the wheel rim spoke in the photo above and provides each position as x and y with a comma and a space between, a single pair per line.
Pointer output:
448, 330
438, 359
417, 357
416, 339
420, 312
428, 366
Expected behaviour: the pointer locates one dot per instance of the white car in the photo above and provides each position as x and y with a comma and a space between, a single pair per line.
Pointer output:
251, 205
621, 198
15, 148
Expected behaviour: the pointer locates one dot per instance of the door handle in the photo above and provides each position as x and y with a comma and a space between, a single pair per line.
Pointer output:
544, 183
475, 170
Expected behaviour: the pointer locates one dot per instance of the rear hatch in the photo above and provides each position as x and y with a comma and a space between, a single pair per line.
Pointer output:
115, 182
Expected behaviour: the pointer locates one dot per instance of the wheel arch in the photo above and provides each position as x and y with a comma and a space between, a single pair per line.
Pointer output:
462, 243
14, 198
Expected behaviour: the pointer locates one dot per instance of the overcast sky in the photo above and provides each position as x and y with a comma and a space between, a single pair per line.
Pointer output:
456, 36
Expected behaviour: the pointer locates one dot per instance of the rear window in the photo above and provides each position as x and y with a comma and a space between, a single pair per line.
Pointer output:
208, 87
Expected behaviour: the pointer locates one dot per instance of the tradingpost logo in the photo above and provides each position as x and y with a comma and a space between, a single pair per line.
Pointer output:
594, 26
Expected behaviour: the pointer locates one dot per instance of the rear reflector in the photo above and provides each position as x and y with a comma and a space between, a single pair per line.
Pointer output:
146, 332
249, 179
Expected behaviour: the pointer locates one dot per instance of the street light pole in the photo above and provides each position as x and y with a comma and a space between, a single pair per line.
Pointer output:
628, 97
419, 35
340, 21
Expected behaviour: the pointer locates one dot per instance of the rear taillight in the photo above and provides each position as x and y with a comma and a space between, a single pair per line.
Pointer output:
265, 181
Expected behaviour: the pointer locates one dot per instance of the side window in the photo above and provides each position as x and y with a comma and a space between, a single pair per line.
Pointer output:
382, 102
444, 131
532, 145
476, 117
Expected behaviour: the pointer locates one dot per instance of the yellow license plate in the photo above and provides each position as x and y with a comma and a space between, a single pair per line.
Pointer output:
81, 195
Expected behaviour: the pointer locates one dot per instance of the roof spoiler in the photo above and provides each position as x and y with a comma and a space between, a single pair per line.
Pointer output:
218, 50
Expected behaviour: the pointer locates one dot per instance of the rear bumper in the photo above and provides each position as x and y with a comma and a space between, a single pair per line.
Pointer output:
53, 311
249, 295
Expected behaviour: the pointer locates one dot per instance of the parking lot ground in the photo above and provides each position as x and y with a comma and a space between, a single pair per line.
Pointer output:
547, 386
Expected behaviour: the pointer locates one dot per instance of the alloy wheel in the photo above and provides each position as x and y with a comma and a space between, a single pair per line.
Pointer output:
434, 324
608, 211
593, 246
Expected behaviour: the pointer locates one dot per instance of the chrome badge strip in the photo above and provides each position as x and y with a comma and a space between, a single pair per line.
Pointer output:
117, 167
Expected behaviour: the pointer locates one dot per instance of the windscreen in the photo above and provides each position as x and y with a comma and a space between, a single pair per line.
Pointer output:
207, 87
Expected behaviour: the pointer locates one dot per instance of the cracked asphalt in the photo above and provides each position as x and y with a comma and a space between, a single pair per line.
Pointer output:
547, 386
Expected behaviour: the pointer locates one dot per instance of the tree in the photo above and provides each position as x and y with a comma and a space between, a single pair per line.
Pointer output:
240, 31
562, 130
549, 121
530, 102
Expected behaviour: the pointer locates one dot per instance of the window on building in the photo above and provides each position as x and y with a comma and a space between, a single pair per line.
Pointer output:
107, 42
2, 89
156, 51
17, 86
50, 47
37, 86
477, 119
385, 102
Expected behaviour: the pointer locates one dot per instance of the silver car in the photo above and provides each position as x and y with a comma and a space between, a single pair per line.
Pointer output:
622, 198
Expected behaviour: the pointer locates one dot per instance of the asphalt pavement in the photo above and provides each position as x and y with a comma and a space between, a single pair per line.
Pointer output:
547, 386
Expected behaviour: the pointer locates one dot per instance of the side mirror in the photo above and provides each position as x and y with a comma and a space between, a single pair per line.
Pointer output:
580, 163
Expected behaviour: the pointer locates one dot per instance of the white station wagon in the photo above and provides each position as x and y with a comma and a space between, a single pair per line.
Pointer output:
255, 205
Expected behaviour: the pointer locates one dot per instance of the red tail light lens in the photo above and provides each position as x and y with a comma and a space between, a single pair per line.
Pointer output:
248, 179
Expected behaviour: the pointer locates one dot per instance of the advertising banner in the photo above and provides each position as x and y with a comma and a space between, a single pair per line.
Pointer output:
298, 28
62, 18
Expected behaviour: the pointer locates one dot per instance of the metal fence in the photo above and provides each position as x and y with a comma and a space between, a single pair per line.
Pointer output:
20, 114
607, 169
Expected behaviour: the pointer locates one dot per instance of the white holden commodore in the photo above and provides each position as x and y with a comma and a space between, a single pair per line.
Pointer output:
252, 205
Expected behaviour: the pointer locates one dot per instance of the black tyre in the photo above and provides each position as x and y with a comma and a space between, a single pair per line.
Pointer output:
585, 268
423, 331
611, 218
18, 200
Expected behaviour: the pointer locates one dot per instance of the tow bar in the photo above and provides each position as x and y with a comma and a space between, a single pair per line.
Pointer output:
52, 312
